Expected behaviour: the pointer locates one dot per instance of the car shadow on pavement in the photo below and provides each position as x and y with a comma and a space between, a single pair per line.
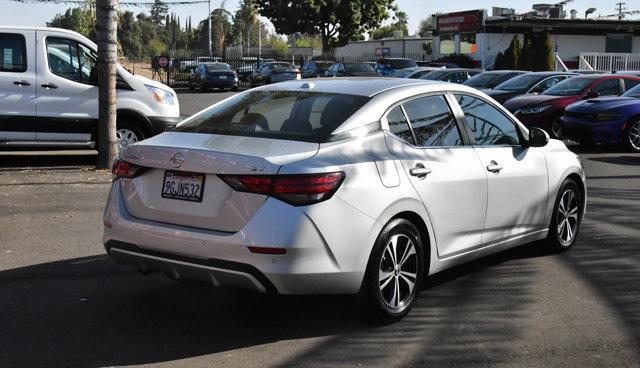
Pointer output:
92, 312
618, 160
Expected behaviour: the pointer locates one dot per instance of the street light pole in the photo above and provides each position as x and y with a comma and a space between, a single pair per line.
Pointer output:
209, 17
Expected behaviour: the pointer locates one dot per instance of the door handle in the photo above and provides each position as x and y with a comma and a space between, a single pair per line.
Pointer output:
494, 167
49, 86
22, 83
420, 171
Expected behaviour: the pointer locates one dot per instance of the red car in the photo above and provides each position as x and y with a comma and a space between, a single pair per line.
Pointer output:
544, 110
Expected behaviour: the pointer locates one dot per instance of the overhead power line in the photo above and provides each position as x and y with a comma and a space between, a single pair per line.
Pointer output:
123, 3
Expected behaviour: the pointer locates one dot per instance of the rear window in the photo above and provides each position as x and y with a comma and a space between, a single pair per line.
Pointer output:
569, 87
401, 64
216, 67
14, 53
358, 68
521, 83
290, 115
481, 79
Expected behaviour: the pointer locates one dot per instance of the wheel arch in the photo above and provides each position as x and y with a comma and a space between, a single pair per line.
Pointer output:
423, 230
582, 187
136, 118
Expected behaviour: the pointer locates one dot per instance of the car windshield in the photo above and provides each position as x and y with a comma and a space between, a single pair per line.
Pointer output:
402, 63
633, 92
217, 67
291, 115
520, 83
569, 87
481, 79
358, 68
435, 75
281, 66
401, 73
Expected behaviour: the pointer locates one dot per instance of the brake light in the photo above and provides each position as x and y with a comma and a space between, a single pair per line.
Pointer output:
124, 169
297, 190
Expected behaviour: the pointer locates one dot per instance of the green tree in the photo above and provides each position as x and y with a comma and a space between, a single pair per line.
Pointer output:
527, 53
129, 36
81, 20
512, 54
278, 45
401, 21
425, 27
337, 21
244, 20
159, 11
547, 58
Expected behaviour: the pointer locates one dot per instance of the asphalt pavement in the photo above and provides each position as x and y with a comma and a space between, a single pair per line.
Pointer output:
63, 302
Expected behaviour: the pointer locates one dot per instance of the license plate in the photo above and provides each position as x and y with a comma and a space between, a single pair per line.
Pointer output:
184, 186
223, 77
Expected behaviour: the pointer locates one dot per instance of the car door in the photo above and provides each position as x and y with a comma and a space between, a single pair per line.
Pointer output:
445, 172
67, 101
608, 87
517, 175
17, 86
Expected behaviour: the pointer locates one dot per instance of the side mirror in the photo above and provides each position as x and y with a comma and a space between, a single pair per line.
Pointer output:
538, 137
592, 94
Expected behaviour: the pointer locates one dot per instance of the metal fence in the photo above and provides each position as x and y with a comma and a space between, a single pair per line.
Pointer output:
180, 63
608, 61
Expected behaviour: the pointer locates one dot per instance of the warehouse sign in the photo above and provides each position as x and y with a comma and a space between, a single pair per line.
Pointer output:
467, 21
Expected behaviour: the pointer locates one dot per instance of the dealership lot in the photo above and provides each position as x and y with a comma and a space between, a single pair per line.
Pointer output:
61, 297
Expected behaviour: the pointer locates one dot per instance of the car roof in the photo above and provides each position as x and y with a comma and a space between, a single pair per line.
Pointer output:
552, 73
504, 71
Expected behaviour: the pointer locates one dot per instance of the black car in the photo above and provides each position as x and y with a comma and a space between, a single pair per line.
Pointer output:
452, 75
213, 75
315, 68
491, 79
351, 69
534, 82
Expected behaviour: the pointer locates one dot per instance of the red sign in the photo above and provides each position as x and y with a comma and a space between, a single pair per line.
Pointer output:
467, 21
163, 62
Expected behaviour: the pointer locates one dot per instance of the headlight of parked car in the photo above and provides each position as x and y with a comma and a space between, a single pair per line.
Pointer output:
607, 116
161, 96
534, 110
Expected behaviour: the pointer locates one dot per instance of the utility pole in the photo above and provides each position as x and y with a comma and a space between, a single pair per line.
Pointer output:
620, 7
209, 17
106, 27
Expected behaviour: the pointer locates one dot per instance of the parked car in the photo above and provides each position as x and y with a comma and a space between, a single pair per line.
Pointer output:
635, 73
533, 82
276, 71
315, 68
48, 84
341, 188
213, 75
351, 69
245, 71
544, 110
490, 79
452, 75
605, 120
437, 64
388, 66
413, 73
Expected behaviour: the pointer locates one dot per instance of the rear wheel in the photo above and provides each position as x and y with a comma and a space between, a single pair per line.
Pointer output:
127, 133
394, 273
632, 136
567, 215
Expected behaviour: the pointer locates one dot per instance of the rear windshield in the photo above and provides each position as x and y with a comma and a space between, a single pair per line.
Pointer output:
401, 73
216, 67
481, 79
291, 115
569, 87
435, 75
281, 66
401, 64
521, 83
358, 68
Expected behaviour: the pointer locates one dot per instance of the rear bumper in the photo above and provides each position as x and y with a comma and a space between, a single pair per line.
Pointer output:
221, 83
315, 263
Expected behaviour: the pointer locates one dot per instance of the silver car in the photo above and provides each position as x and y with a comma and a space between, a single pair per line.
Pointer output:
352, 186
273, 72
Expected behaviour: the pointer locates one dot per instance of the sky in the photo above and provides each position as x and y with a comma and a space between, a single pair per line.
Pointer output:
15, 13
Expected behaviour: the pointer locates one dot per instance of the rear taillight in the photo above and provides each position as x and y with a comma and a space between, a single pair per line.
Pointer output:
124, 169
298, 190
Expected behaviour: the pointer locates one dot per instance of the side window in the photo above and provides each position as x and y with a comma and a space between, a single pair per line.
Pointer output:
398, 125
609, 87
547, 83
63, 58
630, 83
341, 68
433, 122
88, 61
14, 53
489, 125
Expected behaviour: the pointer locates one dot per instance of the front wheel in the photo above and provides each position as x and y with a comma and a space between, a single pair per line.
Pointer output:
567, 215
394, 273
127, 134
633, 136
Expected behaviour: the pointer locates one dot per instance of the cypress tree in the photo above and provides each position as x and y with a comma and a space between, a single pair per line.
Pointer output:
525, 57
548, 58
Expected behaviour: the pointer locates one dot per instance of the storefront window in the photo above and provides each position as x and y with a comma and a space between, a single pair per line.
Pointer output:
447, 44
619, 43
468, 43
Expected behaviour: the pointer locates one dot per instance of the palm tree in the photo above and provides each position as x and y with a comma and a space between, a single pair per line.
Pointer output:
248, 16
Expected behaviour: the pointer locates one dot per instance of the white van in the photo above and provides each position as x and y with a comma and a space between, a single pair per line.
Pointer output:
49, 97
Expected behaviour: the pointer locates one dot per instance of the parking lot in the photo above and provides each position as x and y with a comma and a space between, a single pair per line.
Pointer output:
63, 302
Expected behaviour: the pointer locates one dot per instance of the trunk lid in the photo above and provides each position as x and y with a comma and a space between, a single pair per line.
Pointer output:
219, 208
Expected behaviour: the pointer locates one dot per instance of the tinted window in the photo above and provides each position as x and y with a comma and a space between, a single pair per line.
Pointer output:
358, 67
520, 83
398, 125
402, 63
630, 83
217, 66
609, 87
432, 122
70, 60
546, 84
489, 125
570, 87
633, 92
292, 115
482, 79
14, 53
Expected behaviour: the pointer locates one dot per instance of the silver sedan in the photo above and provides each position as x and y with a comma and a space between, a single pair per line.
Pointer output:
354, 186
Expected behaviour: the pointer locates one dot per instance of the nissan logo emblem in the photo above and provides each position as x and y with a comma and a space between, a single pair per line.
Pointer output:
177, 160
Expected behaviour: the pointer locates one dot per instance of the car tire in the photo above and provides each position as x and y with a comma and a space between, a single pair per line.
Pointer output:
203, 88
386, 278
632, 136
566, 218
128, 133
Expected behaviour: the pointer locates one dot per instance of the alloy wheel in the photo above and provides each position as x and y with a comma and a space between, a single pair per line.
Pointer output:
567, 216
397, 272
634, 136
125, 137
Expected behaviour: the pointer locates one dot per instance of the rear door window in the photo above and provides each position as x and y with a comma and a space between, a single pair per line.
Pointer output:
490, 127
398, 125
14, 53
432, 122
609, 87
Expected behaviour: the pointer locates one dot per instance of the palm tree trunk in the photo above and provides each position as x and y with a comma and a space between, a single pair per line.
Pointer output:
106, 27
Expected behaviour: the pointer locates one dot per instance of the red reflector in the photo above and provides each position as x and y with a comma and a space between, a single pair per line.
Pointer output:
124, 169
266, 250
